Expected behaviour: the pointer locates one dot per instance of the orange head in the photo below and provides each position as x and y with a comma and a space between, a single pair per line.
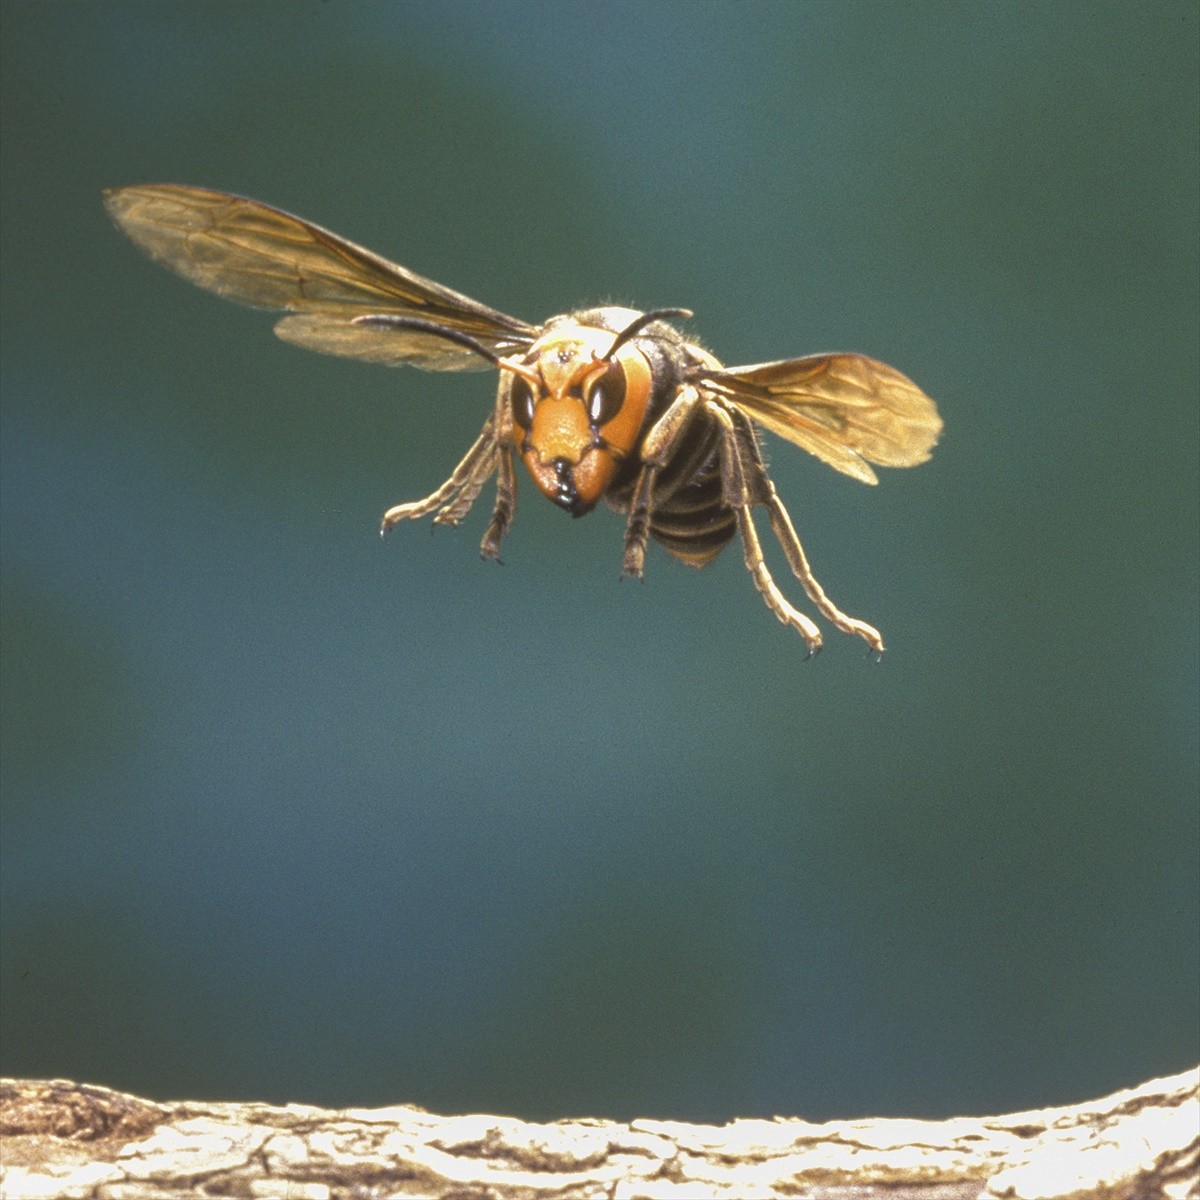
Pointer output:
579, 398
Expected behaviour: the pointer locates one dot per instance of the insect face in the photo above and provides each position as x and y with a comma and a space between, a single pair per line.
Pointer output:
578, 411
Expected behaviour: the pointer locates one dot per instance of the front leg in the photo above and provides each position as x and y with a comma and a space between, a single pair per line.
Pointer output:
637, 527
475, 461
458, 506
506, 476
506, 504
656, 448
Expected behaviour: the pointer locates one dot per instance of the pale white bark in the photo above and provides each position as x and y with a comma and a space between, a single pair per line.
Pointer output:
69, 1141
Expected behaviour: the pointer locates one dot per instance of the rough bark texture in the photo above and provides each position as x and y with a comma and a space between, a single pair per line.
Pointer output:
69, 1140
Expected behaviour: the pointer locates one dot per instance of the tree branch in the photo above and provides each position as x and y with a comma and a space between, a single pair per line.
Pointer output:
79, 1142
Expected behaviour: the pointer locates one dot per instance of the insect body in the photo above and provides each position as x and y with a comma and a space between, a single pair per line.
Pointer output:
603, 403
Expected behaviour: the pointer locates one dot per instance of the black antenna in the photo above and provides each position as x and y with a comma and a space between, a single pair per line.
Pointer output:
639, 323
390, 321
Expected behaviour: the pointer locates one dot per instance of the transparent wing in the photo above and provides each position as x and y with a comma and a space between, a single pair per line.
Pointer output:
259, 255
846, 409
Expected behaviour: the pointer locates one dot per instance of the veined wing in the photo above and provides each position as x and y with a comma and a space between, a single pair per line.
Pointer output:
848, 410
259, 255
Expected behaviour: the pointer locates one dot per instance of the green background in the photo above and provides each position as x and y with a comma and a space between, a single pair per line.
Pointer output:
294, 814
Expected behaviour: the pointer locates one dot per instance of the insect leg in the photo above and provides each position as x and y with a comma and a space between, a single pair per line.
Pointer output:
456, 508
786, 535
506, 503
637, 527
743, 488
785, 532
655, 451
461, 479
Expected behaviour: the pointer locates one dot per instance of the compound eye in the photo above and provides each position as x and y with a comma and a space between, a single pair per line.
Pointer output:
523, 402
606, 395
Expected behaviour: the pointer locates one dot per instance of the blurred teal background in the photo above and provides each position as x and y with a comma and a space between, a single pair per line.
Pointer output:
293, 814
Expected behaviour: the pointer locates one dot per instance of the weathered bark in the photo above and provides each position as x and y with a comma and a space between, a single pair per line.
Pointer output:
71, 1140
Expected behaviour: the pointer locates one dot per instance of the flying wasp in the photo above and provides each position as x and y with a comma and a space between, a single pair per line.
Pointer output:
601, 403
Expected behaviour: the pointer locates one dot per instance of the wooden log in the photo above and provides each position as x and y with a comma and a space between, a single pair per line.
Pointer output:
80, 1142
